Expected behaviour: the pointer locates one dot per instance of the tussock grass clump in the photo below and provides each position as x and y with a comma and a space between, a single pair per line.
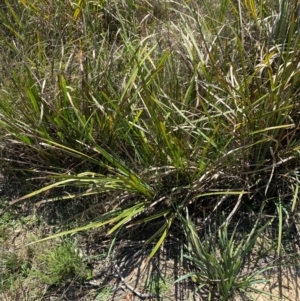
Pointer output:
164, 106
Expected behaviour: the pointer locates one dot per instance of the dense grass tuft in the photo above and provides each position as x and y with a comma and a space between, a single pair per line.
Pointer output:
168, 107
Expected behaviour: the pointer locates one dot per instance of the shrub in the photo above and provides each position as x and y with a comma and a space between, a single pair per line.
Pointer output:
153, 107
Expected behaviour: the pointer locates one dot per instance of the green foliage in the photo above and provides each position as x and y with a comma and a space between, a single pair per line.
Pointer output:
13, 266
58, 264
219, 260
104, 294
158, 285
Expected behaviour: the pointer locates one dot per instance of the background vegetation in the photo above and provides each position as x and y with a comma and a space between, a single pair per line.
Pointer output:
168, 113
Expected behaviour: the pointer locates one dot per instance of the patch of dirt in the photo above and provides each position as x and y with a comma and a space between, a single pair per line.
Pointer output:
140, 278
282, 284
130, 276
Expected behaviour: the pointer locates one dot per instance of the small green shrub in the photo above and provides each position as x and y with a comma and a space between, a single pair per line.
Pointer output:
58, 264
13, 266
218, 259
104, 294
158, 285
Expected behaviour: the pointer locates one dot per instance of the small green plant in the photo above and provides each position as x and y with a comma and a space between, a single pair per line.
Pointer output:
13, 266
219, 260
104, 294
3, 233
58, 264
158, 285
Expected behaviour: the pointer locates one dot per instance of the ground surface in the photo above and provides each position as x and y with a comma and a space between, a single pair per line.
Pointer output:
127, 274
